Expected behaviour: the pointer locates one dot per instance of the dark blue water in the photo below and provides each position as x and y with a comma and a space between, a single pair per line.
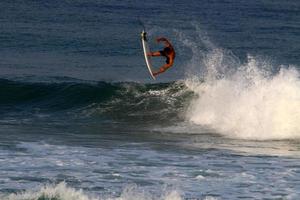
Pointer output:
80, 117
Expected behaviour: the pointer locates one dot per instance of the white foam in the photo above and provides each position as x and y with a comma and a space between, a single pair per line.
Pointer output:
210, 198
62, 191
248, 101
200, 177
133, 192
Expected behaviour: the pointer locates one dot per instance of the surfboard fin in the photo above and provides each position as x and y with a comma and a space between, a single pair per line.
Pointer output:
143, 34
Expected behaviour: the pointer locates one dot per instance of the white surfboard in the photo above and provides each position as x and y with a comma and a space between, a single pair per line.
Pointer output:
146, 50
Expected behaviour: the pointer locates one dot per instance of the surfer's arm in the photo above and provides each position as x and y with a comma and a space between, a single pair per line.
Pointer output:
162, 39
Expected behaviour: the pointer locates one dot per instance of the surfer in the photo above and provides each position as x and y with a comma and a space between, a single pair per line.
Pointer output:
167, 52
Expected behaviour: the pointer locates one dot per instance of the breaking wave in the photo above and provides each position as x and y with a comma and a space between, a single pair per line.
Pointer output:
251, 101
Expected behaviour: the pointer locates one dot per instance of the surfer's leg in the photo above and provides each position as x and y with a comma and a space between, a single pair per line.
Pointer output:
162, 69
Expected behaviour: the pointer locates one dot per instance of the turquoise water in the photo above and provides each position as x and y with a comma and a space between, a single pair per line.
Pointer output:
82, 119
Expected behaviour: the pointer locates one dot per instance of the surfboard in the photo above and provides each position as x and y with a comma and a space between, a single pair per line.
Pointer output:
146, 50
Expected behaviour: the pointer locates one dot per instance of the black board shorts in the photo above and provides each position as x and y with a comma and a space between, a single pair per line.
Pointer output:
164, 53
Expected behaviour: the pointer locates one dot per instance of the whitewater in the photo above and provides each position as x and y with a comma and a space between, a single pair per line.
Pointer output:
252, 102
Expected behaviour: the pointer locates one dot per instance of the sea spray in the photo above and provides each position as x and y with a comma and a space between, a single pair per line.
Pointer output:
250, 102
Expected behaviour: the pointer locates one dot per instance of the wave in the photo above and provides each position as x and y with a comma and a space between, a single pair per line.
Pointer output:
245, 101
121, 101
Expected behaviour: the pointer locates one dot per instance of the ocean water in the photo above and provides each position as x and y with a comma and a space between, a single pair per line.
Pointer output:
81, 119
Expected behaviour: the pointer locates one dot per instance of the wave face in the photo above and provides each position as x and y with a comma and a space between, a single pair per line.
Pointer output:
253, 100
119, 101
